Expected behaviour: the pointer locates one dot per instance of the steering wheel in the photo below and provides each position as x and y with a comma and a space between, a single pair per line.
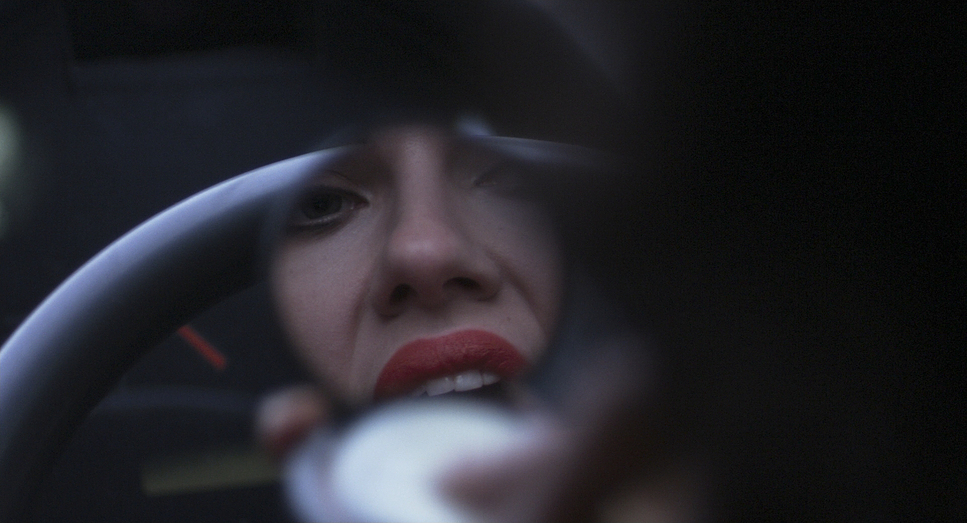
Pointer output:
75, 346
69, 352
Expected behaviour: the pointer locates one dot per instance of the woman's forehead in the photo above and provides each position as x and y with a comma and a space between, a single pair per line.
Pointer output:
397, 141
463, 143
409, 138
387, 152
365, 132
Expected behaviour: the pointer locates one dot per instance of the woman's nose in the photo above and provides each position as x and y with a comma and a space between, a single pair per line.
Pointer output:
431, 258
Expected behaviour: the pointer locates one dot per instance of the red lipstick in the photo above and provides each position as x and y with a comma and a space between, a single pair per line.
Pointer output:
428, 358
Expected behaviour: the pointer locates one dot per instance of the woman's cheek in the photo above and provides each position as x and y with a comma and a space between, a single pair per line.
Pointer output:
524, 238
311, 308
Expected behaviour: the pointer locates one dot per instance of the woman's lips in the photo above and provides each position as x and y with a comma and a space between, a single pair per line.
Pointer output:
429, 358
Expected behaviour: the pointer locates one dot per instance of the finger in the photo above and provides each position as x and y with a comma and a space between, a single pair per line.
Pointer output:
521, 483
284, 418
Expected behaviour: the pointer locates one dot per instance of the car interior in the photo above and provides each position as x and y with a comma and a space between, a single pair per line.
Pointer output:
133, 385
790, 249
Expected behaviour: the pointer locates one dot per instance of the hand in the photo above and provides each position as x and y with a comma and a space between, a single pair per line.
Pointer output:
284, 418
604, 455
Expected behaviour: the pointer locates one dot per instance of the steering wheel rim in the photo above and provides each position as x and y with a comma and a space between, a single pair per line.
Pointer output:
69, 352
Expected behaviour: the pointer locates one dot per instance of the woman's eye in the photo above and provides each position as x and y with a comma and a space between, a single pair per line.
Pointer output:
322, 208
501, 176
507, 179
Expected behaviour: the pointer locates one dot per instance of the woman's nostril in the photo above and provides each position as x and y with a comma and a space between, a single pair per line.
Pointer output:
400, 292
466, 283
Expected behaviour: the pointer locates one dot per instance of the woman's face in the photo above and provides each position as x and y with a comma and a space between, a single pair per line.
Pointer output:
414, 264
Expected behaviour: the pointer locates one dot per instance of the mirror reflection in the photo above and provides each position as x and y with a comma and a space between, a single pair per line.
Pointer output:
417, 262
773, 299
431, 260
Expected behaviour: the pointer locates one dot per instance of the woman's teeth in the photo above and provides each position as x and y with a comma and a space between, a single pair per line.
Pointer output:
467, 380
